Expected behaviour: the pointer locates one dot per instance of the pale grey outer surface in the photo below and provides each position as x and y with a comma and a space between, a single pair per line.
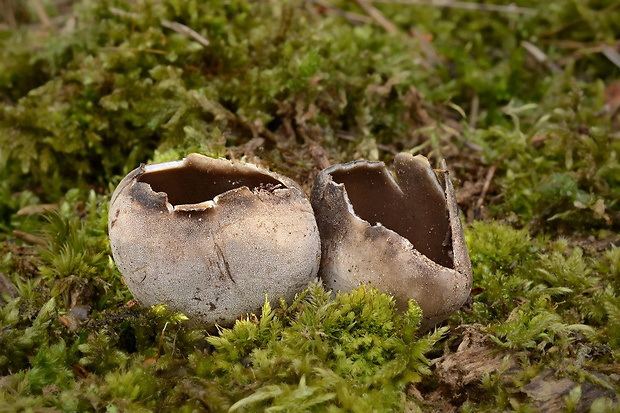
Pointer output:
355, 252
220, 263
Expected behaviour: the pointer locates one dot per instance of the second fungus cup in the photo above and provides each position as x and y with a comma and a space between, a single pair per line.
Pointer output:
402, 236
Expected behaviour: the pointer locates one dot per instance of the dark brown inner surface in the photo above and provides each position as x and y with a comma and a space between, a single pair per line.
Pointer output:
192, 185
419, 214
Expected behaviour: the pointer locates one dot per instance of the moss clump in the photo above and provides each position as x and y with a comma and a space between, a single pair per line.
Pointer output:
534, 297
531, 143
353, 352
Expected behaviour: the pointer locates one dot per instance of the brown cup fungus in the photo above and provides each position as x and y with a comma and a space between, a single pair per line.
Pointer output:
211, 238
401, 235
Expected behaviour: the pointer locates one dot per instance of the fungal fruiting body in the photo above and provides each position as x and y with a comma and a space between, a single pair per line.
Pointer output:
211, 238
399, 234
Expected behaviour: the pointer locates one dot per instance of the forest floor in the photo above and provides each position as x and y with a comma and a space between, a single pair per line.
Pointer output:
523, 103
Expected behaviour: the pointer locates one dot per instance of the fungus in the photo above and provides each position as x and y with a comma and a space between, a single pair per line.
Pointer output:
399, 234
211, 237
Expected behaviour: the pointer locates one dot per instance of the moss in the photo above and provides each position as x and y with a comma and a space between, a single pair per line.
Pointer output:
350, 352
533, 148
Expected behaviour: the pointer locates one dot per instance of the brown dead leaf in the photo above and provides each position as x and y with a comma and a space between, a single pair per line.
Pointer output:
74, 318
612, 96
549, 392
79, 371
51, 389
28, 238
149, 362
459, 374
37, 209
475, 357
7, 288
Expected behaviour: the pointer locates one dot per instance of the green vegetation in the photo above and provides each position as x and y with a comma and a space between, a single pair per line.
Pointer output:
523, 103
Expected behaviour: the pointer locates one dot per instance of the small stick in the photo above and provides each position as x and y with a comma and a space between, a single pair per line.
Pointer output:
571, 44
487, 184
540, 56
377, 16
462, 5
37, 209
187, 31
28, 238
161, 342
612, 55
122, 13
350, 16
473, 114
8, 13
320, 158
132, 49
584, 52
45, 20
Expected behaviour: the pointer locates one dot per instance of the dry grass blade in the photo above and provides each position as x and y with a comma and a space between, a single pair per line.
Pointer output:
511, 8
45, 20
28, 238
122, 13
350, 16
37, 209
187, 31
612, 54
7, 13
540, 56
377, 16
487, 185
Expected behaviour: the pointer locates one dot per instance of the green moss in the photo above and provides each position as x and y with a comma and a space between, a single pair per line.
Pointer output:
83, 105
352, 352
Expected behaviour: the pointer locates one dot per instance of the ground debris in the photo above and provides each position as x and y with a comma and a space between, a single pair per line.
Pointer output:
474, 357
7, 288
460, 377
549, 393
459, 374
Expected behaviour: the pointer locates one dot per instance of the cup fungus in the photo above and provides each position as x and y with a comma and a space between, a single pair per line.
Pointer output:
211, 237
401, 236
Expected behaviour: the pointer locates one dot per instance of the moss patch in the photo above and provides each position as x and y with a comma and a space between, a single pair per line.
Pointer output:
522, 102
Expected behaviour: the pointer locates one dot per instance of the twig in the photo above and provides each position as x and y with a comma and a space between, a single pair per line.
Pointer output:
432, 57
37, 209
612, 55
462, 5
578, 54
487, 184
45, 20
377, 16
187, 31
177, 27
540, 56
28, 238
8, 13
572, 44
603, 12
473, 113
7, 288
160, 345
350, 16
319, 156
123, 13
132, 49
